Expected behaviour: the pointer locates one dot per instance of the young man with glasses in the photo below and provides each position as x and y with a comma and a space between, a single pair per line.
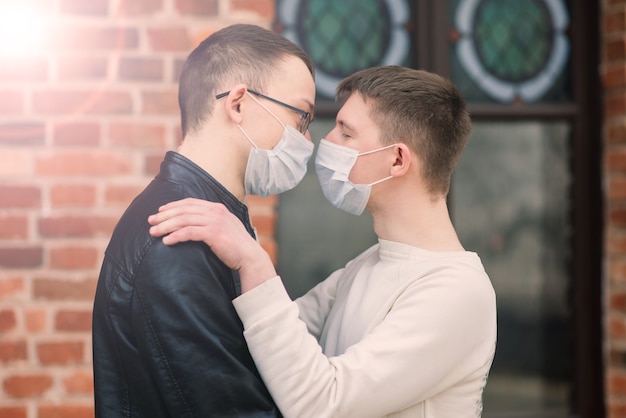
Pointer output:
167, 341
408, 327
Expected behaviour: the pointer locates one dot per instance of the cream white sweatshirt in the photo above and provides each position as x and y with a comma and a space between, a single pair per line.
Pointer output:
398, 332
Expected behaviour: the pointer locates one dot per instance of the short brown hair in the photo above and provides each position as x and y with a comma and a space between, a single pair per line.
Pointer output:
421, 109
238, 53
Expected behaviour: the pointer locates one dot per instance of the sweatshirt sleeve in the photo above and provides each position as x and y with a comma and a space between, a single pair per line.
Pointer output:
315, 305
435, 334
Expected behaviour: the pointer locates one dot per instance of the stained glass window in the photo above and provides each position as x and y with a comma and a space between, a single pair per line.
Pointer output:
346, 36
512, 195
510, 51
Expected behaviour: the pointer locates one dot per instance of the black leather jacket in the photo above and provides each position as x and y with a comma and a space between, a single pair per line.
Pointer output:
167, 341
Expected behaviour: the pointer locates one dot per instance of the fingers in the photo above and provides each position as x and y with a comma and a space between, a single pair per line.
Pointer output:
189, 219
185, 207
187, 202
181, 235
171, 223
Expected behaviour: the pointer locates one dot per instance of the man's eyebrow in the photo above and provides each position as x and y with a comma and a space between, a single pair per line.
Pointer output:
311, 106
344, 125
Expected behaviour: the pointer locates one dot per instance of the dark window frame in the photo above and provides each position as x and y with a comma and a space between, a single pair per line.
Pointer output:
585, 114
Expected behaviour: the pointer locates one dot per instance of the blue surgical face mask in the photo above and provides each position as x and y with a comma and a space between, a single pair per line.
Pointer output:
333, 164
278, 169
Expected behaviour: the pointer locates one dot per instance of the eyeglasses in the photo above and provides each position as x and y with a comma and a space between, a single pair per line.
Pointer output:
305, 117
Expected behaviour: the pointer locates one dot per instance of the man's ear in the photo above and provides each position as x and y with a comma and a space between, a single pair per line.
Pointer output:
234, 102
403, 160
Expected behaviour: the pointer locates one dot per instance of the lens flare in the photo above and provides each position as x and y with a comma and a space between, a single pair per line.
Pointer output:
21, 28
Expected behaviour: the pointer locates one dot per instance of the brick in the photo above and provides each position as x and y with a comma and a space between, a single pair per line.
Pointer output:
73, 195
12, 227
22, 134
197, 7
616, 384
11, 351
79, 383
153, 164
13, 411
62, 102
614, 104
617, 301
616, 271
617, 328
70, 68
616, 409
617, 216
613, 22
616, 133
71, 163
77, 226
615, 243
35, 320
139, 7
20, 197
11, 287
615, 50
141, 69
7, 320
617, 358
171, 39
201, 35
17, 163
27, 386
264, 224
11, 102
121, 196
24, 69
79, 133
85, 8
58, 289
264, 8
85, 38
177, 69
160, 102
614, 77
21, 257
73, 257
616, 188
65, 411
137, 135
73, 321
61, 353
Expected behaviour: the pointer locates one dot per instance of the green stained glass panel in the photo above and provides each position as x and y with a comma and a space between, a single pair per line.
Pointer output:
345, 36
341, 36
510, 51
513, 38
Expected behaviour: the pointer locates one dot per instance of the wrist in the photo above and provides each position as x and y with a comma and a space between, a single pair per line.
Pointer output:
259, 270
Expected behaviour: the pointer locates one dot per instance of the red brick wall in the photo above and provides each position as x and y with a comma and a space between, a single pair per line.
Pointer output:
613, 70
86, 115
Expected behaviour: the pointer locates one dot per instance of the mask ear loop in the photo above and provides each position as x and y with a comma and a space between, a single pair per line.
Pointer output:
264, 107
376, 150
380, 181
247, 136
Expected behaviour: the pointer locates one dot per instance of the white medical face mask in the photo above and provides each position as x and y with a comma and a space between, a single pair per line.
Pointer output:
333, 164
280, 168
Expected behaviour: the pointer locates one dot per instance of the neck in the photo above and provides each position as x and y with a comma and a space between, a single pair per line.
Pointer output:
223, 163
422, 222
